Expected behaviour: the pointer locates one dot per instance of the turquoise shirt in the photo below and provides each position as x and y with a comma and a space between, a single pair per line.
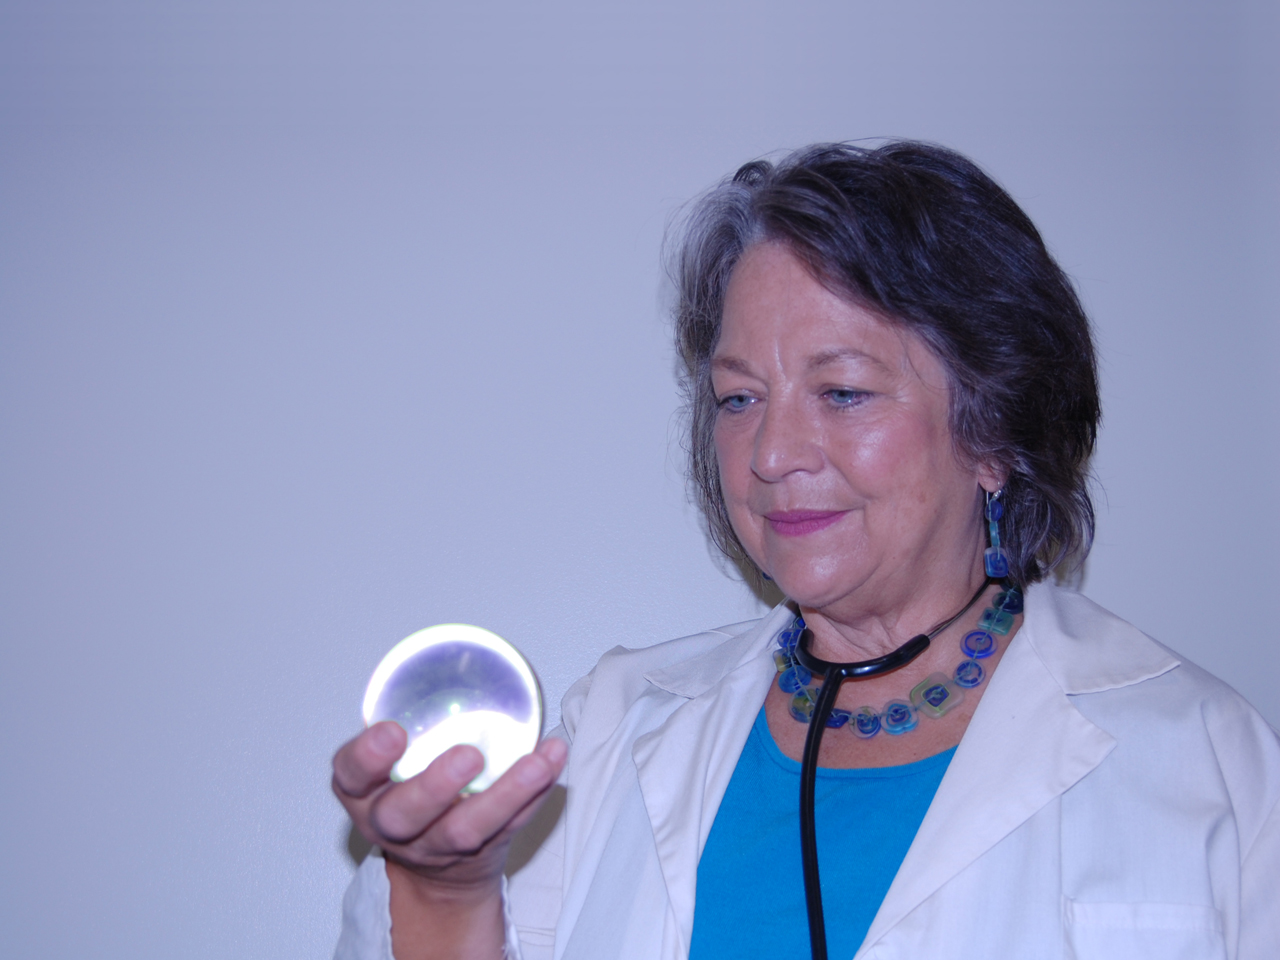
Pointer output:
750, 899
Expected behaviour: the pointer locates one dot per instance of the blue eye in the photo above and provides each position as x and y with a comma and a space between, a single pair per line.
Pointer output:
735, 402
845, 398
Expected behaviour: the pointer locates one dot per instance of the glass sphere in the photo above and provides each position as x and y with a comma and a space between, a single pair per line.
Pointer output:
455, 683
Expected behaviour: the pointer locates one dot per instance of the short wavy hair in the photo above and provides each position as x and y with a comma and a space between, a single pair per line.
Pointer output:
919, 235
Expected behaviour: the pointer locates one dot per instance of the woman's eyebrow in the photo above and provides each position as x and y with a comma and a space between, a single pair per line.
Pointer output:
836, 354
731, 363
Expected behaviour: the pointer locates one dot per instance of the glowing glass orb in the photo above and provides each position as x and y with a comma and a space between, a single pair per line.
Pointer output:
455, 683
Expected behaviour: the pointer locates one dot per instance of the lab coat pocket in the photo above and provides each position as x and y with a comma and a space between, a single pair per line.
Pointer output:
1138, 931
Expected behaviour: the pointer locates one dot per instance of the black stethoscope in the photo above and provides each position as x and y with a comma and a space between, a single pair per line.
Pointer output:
833, 676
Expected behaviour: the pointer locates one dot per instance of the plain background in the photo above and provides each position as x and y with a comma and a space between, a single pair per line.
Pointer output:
323, 322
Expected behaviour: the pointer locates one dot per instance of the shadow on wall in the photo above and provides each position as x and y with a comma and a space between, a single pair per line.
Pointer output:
356, 847
536, 831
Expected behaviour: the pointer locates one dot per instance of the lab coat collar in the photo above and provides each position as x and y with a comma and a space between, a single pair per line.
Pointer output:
695, 676
1086, 648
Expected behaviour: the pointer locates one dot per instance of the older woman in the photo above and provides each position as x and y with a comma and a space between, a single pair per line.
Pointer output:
893, 403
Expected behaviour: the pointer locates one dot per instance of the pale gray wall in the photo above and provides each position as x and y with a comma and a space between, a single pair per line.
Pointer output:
324, 322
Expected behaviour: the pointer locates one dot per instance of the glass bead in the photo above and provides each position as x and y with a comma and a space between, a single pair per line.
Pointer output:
866, 723
978, 644
839, 718
935, 696
995, 621
790, 635
802, 706
995, 510
1010, 601
996, 562
969, 673
781, 659
899, 717
794, 679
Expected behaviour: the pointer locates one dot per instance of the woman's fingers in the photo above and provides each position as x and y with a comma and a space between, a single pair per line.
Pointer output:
365, 763
407, 809
424, 823
504, 807
428, 803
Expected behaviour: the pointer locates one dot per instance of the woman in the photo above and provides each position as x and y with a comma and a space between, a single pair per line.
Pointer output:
893, 401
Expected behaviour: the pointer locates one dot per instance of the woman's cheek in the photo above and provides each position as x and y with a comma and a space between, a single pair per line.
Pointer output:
747, 526
733, 456
882, 457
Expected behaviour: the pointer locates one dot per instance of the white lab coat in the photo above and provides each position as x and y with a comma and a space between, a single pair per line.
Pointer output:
1107, 801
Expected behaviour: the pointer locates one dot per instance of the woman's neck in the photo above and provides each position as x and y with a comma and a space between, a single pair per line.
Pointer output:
874, 621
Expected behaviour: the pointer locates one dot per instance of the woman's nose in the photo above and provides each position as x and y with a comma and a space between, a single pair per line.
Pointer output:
787, 441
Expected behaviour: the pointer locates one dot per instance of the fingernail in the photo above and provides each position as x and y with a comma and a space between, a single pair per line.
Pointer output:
383, 738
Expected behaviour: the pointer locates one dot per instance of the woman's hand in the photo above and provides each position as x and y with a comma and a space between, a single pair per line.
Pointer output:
445, 853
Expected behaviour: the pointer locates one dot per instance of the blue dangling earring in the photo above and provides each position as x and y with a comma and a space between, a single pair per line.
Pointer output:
994, 557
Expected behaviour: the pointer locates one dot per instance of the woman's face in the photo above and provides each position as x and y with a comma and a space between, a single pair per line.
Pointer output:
835, 452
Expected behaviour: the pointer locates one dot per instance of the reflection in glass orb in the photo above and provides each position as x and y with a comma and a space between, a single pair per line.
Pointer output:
455, 683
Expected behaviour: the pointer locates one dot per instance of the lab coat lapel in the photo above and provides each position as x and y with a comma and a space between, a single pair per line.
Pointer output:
684, 766
1005, 770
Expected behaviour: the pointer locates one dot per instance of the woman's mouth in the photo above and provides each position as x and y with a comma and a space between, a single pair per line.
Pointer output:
797, 523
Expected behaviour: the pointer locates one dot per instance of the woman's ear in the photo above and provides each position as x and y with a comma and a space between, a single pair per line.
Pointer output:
992, 476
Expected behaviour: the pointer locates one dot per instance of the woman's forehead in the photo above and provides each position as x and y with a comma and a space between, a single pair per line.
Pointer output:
777, 312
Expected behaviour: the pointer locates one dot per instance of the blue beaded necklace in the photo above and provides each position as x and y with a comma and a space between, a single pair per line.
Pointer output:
934, 696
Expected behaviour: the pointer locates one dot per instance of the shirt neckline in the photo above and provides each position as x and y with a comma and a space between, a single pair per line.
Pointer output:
760, 730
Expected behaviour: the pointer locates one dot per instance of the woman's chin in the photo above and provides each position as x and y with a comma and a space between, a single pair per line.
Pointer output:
814, 592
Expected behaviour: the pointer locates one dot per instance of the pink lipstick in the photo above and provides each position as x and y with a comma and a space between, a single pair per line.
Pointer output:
797, 523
